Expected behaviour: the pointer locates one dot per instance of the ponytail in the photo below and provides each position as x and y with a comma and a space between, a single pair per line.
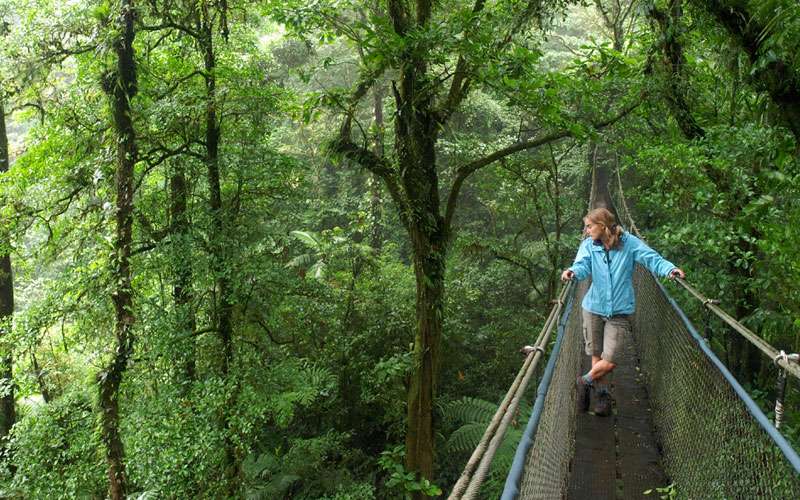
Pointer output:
613, 236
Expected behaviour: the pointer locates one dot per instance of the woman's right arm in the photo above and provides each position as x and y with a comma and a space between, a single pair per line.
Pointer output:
582, 267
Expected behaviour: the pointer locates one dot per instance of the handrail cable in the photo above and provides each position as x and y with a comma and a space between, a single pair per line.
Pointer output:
784, 362
477, 454
471, 478
787, 362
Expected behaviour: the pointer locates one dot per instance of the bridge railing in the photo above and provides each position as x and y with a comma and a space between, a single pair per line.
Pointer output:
716, 442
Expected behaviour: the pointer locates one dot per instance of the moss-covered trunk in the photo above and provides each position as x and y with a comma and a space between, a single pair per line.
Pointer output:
7, 408
415, 141
121, 88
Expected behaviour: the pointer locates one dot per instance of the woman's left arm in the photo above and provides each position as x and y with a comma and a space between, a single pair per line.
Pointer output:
652, 260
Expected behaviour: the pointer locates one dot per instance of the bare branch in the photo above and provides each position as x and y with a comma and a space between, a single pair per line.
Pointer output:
466, 170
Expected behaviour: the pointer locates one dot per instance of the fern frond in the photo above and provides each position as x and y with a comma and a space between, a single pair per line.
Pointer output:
311, 240
467, 410
465, 438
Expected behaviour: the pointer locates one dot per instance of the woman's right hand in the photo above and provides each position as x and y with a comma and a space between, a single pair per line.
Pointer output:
567, 275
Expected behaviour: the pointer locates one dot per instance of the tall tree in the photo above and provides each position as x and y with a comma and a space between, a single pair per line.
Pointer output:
202, 22
120, 85
432, 79
208, 21
7, 401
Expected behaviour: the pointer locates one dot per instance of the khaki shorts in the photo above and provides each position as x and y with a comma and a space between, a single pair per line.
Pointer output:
603, 336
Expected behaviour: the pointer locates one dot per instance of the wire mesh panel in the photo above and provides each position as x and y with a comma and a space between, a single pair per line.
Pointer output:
547, 464
713, 447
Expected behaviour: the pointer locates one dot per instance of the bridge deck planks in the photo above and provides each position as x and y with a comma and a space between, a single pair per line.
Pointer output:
617, 456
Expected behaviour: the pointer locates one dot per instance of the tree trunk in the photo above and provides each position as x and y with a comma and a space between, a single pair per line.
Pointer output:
182, 289
224, 309
376, 231
429, 268
416, 136
779, 78
38, 373
747, 358
122, 88
7, 409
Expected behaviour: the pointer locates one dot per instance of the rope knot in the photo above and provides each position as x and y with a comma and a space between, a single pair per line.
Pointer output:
782, 356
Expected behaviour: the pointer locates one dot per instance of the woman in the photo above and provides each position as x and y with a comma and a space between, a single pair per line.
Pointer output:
608, 255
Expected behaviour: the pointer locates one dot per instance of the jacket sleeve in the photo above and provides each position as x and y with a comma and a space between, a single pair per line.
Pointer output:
651, 259
582, 267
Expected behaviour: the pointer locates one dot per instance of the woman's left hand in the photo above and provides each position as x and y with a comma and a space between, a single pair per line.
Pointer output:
677, 273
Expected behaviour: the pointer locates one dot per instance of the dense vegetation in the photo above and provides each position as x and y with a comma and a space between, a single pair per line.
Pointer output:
275, 249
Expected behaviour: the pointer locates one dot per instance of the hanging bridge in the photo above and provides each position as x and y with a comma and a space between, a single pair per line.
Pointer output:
682, 426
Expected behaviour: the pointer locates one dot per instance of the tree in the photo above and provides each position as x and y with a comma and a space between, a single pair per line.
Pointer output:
7, 400
120, 85
435, 58
753, 27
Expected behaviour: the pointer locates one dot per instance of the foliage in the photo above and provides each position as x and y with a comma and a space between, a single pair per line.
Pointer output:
401, 479
307, 397
56, 450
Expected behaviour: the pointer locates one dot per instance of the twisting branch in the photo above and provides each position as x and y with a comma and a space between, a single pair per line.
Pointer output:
345, 146
466, 170
461, 82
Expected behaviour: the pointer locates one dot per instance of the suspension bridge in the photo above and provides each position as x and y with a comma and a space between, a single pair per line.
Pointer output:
682, 427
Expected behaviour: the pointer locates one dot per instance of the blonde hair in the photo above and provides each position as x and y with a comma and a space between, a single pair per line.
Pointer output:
612, 233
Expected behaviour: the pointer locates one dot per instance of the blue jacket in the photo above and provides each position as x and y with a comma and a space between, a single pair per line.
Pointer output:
611, 292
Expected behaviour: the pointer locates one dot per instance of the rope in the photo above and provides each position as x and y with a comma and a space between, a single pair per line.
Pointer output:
745, 332
712, 304
631, 223
471, 478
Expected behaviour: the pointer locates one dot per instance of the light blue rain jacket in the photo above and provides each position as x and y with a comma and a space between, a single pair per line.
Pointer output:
611, 292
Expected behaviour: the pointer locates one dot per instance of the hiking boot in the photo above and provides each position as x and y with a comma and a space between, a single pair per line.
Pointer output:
603, 407
584, 395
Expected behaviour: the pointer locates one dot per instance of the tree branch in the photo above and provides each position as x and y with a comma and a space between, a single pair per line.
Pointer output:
531, 277
272, 336
466, 170
460, 84
344, 145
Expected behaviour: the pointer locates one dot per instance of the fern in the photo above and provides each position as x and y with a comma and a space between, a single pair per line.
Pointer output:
280, 472
465, 438
468, 410
473, 415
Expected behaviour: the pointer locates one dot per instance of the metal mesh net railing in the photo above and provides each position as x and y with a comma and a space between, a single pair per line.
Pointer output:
713, 446
714, 439
547, 463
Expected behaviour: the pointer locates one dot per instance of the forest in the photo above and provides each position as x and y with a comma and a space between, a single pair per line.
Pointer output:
291, 248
